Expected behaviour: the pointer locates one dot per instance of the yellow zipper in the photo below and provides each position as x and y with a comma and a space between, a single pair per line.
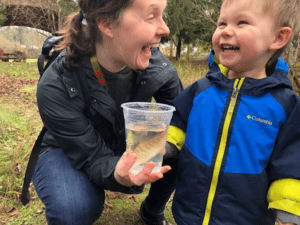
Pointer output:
213, 186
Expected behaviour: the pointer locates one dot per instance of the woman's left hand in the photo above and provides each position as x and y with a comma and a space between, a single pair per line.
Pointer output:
126, 178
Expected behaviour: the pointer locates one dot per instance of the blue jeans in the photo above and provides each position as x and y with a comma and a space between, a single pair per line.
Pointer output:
68, 194
71, 198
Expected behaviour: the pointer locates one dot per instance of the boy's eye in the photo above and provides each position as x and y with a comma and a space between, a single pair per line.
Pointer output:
222, 24
242, 22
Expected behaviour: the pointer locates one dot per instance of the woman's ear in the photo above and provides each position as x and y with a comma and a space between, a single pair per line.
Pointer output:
105, 27
282, 37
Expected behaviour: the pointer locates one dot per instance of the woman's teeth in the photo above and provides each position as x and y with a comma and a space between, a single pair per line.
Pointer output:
146, 48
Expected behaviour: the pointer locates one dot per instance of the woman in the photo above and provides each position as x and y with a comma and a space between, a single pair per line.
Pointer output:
110, 43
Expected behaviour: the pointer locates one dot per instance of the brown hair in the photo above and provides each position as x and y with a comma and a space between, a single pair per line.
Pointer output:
80, 38
286, 13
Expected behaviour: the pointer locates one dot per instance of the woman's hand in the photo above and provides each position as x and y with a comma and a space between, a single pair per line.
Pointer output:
128, 179
281, 223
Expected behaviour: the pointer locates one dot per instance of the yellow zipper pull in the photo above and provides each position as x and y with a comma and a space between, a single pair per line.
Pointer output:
233, 95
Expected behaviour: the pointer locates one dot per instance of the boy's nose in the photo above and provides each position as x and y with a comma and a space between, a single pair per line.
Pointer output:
227, 32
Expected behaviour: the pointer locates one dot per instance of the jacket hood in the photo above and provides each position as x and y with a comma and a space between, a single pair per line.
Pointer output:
279, 79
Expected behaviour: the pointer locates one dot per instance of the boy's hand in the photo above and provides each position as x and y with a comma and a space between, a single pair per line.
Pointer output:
281, 223
128, 179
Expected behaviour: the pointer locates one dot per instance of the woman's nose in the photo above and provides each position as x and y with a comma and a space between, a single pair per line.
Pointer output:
163, 29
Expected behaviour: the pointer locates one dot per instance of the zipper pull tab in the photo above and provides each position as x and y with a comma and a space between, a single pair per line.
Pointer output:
234, 92
233, 99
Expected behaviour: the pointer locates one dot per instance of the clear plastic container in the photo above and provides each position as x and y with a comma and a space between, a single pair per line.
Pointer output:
146, 127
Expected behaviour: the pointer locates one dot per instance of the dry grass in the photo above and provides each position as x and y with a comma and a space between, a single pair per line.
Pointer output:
10, 46
190, 71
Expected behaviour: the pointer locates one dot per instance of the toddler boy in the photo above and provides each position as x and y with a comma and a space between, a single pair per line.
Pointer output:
238, 129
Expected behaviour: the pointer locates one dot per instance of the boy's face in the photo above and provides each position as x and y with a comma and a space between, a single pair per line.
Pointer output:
243, 36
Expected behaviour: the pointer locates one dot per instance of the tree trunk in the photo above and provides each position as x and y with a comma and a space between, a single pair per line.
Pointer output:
60, 17
188, 52
171, 49
178, 50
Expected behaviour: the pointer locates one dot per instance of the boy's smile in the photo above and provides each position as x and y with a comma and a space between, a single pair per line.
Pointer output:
227, 48
242, 39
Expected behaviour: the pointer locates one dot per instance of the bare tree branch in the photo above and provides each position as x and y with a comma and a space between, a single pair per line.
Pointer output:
41, 14
205, 11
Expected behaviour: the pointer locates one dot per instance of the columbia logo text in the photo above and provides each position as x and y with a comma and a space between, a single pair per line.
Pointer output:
259, 120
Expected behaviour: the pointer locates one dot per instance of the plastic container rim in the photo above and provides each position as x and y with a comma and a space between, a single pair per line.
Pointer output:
171, 108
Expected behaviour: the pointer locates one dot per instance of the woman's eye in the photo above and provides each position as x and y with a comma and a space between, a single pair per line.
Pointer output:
242, 22
151, 17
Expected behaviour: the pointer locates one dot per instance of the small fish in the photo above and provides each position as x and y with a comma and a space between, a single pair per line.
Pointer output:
148, 149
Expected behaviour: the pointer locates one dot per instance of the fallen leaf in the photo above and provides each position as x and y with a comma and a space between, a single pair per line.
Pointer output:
34, 197
111, 194
135, 198
40, 211
17, 168
108, 204
11, 210
15, 212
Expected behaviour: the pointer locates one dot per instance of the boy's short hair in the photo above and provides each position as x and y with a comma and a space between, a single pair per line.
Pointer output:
287, 14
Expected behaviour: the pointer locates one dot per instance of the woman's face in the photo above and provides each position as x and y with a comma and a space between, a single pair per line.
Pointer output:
141, 26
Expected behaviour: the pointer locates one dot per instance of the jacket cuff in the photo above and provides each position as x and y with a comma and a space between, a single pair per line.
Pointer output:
176, 136
284, 195
286, 217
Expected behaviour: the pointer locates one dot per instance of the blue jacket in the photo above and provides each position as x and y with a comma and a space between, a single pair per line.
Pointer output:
241, 152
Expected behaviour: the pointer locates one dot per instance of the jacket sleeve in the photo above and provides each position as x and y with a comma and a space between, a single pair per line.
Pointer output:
168, 82
183, 104
166, 93
61, 107
284, 167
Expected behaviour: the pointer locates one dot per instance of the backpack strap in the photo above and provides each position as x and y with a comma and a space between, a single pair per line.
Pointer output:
25, 198
41, 63
48, 52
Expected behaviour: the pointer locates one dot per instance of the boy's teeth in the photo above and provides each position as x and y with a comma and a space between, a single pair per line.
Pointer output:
229, 48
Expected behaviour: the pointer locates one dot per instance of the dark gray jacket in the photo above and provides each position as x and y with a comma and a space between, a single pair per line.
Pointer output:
94, 141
